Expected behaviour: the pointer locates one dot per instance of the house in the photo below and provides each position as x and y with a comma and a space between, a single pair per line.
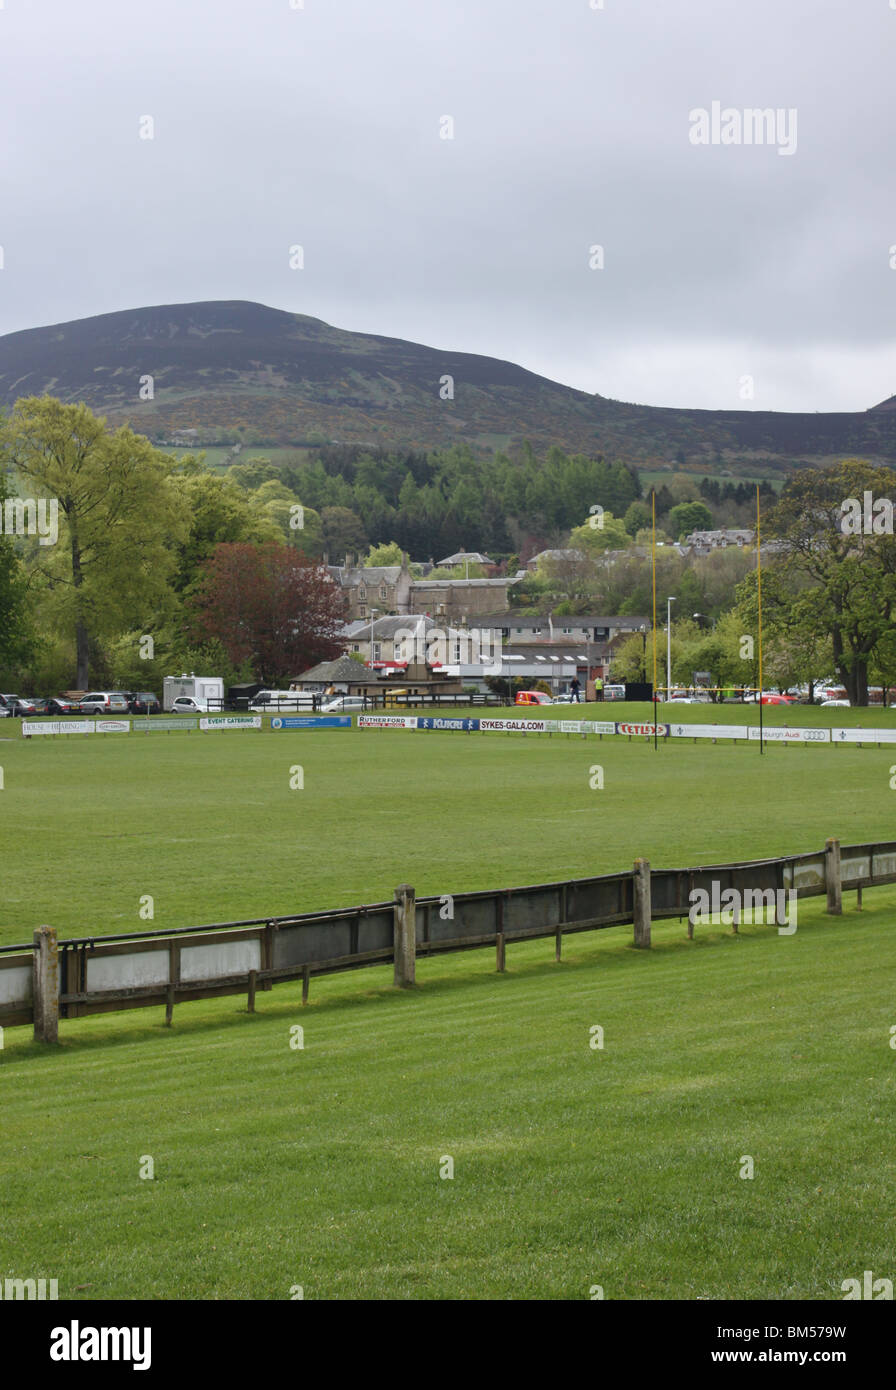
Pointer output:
385, 588
394, 643
464, 557
460, 600
555, 557
516, 628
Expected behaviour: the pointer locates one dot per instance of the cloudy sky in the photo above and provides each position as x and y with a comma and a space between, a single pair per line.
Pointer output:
322, 124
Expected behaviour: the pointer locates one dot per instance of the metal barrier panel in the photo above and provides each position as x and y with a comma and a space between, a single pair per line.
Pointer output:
219, 958
474, 915
599, 898
884, 864
312, 943
130, 971
532, 909
805, 874
16, 989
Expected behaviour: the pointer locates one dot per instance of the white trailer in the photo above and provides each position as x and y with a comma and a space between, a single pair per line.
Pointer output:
208, 689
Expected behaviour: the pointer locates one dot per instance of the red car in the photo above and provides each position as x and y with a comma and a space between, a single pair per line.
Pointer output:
777, 699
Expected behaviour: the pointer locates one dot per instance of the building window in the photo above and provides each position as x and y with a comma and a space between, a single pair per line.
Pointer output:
377, 651
567, 631
383, 591
356, 646
362, 609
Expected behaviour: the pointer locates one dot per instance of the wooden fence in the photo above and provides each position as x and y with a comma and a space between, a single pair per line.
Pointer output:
51, 979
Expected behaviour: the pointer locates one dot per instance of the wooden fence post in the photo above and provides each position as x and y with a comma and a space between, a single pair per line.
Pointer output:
499, 953
641, 902
46, 985
405, 935
306, 980
832, 876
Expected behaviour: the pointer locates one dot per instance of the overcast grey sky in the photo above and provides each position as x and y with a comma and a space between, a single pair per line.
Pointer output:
279, 124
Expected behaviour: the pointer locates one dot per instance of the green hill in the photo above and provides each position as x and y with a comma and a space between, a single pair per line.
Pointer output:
230, 370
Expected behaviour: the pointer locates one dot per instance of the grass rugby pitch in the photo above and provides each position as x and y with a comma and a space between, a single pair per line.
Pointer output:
320, 1167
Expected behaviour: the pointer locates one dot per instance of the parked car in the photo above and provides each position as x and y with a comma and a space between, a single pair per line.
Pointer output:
143, 702
614, 692
103, 702
187, 704
339, 704
775, 699
839, 704
281, 701
38, 705
60, 704
532, 697
16, 705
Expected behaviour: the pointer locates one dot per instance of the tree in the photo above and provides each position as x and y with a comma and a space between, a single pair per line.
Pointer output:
389, 554
117, 516
602, 531
270, 606
217, 511
16, 642
852, 572
687, 517
343, 532
637, 518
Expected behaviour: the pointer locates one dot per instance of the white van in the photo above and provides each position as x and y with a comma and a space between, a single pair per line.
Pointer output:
281, 701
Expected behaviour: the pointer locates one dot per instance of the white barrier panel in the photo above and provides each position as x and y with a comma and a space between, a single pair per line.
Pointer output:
57, 726
525, 726
128, 971
231, 721
387, 721
851, 869
708, 730
219, 958
113, 726
584, 726
863, 735
792, 735
16, 985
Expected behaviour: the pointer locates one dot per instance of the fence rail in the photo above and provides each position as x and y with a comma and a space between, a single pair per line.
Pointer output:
52, 979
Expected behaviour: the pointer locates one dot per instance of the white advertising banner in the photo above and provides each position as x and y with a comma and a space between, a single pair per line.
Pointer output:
863, 735
112, 726
387, 721
524, 726
779, 735
231, 721
708, 731
57, 726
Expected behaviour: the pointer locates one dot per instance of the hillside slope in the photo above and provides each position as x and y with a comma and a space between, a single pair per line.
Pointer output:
232, 369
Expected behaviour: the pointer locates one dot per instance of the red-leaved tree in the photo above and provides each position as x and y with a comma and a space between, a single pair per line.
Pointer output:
269, 605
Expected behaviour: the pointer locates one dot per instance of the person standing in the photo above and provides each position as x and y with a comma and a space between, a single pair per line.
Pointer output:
574, 689
598, 688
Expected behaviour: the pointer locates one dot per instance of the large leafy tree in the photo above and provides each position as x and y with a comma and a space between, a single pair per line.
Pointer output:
851, 574
15, 636
117, 517
269, 606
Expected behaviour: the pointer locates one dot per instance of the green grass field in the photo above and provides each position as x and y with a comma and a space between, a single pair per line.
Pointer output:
320, 1167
